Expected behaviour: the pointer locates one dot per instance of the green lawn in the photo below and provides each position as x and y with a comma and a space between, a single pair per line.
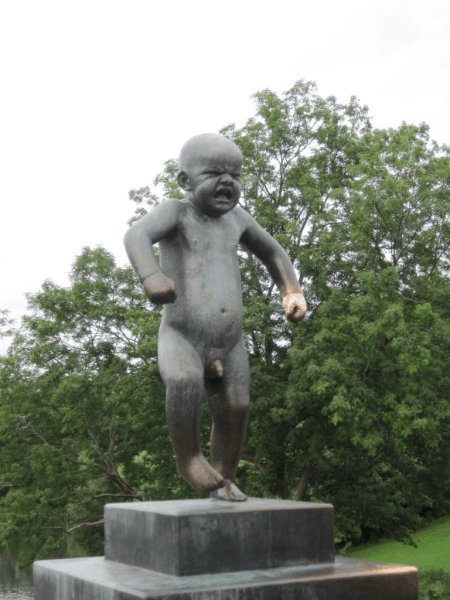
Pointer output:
432, 552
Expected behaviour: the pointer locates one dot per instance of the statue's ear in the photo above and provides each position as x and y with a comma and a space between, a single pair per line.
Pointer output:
183, 181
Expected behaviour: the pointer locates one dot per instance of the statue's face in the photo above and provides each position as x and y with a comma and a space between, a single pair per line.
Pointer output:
214, 179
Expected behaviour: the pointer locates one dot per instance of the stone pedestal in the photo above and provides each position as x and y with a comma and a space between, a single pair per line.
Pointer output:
194, 537
211, 550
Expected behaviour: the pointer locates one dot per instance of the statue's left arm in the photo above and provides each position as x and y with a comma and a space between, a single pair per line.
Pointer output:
277, 262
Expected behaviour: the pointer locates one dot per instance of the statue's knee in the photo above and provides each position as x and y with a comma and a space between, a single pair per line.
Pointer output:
185, 383
240, 408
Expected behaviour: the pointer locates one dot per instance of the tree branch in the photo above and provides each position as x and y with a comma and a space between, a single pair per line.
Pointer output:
262, 467
84, 525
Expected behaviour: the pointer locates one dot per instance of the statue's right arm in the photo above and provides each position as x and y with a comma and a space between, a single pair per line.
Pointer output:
139, 240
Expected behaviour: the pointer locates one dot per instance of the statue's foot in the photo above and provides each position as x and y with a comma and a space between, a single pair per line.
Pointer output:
229, 492
200, 474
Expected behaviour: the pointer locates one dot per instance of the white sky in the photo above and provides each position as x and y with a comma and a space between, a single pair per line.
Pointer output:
95, 96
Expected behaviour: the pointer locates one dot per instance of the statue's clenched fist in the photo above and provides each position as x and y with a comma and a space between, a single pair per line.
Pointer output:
294, 306
159, 289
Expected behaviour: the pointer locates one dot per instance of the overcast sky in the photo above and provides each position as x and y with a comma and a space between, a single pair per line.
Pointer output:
96, 95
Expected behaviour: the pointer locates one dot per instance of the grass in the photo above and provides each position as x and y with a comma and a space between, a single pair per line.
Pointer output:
432, 552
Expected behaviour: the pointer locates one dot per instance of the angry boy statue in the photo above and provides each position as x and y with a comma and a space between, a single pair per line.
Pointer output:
200, 345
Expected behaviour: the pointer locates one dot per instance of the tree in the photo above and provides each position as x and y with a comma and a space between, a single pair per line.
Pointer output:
82, 410
369, 386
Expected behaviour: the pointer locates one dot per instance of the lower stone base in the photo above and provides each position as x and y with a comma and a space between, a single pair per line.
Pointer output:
346, 579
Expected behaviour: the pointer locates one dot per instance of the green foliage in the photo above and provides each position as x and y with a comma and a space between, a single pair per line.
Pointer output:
82, 410
434, 585
5, 323
373, 367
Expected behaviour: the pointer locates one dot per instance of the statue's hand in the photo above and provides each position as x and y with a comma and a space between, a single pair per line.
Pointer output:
159, 289
294, 306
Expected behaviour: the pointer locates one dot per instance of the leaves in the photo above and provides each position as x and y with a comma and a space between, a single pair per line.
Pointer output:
81, 407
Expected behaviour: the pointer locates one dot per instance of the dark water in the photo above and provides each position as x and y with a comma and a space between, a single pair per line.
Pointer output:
14, 584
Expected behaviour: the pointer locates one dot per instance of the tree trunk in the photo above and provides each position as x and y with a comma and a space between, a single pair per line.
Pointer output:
302, 483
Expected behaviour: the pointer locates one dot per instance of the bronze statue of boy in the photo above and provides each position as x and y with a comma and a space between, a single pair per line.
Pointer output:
200, 344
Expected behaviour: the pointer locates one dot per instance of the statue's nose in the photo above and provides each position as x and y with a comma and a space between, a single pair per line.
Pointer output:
226, 178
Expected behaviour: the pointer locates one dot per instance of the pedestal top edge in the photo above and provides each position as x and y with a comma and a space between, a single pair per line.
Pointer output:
93, 568
209, 506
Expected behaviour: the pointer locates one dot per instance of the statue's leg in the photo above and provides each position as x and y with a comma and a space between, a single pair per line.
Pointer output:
182, 372
229, 401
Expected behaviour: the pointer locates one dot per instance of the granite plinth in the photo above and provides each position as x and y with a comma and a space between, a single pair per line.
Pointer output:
192, 537
257, 550
346, 579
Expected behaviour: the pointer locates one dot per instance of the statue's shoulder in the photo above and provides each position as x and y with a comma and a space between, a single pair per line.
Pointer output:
242, 216
171, 206
175, 203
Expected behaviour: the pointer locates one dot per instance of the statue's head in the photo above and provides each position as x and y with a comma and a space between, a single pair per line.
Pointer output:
210, 170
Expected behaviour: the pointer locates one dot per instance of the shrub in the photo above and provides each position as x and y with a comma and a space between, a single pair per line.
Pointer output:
434, 584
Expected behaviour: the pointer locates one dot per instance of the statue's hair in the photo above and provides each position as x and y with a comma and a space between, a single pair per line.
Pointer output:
202, 142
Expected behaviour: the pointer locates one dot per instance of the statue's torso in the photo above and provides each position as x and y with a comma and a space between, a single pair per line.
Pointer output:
200, 256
